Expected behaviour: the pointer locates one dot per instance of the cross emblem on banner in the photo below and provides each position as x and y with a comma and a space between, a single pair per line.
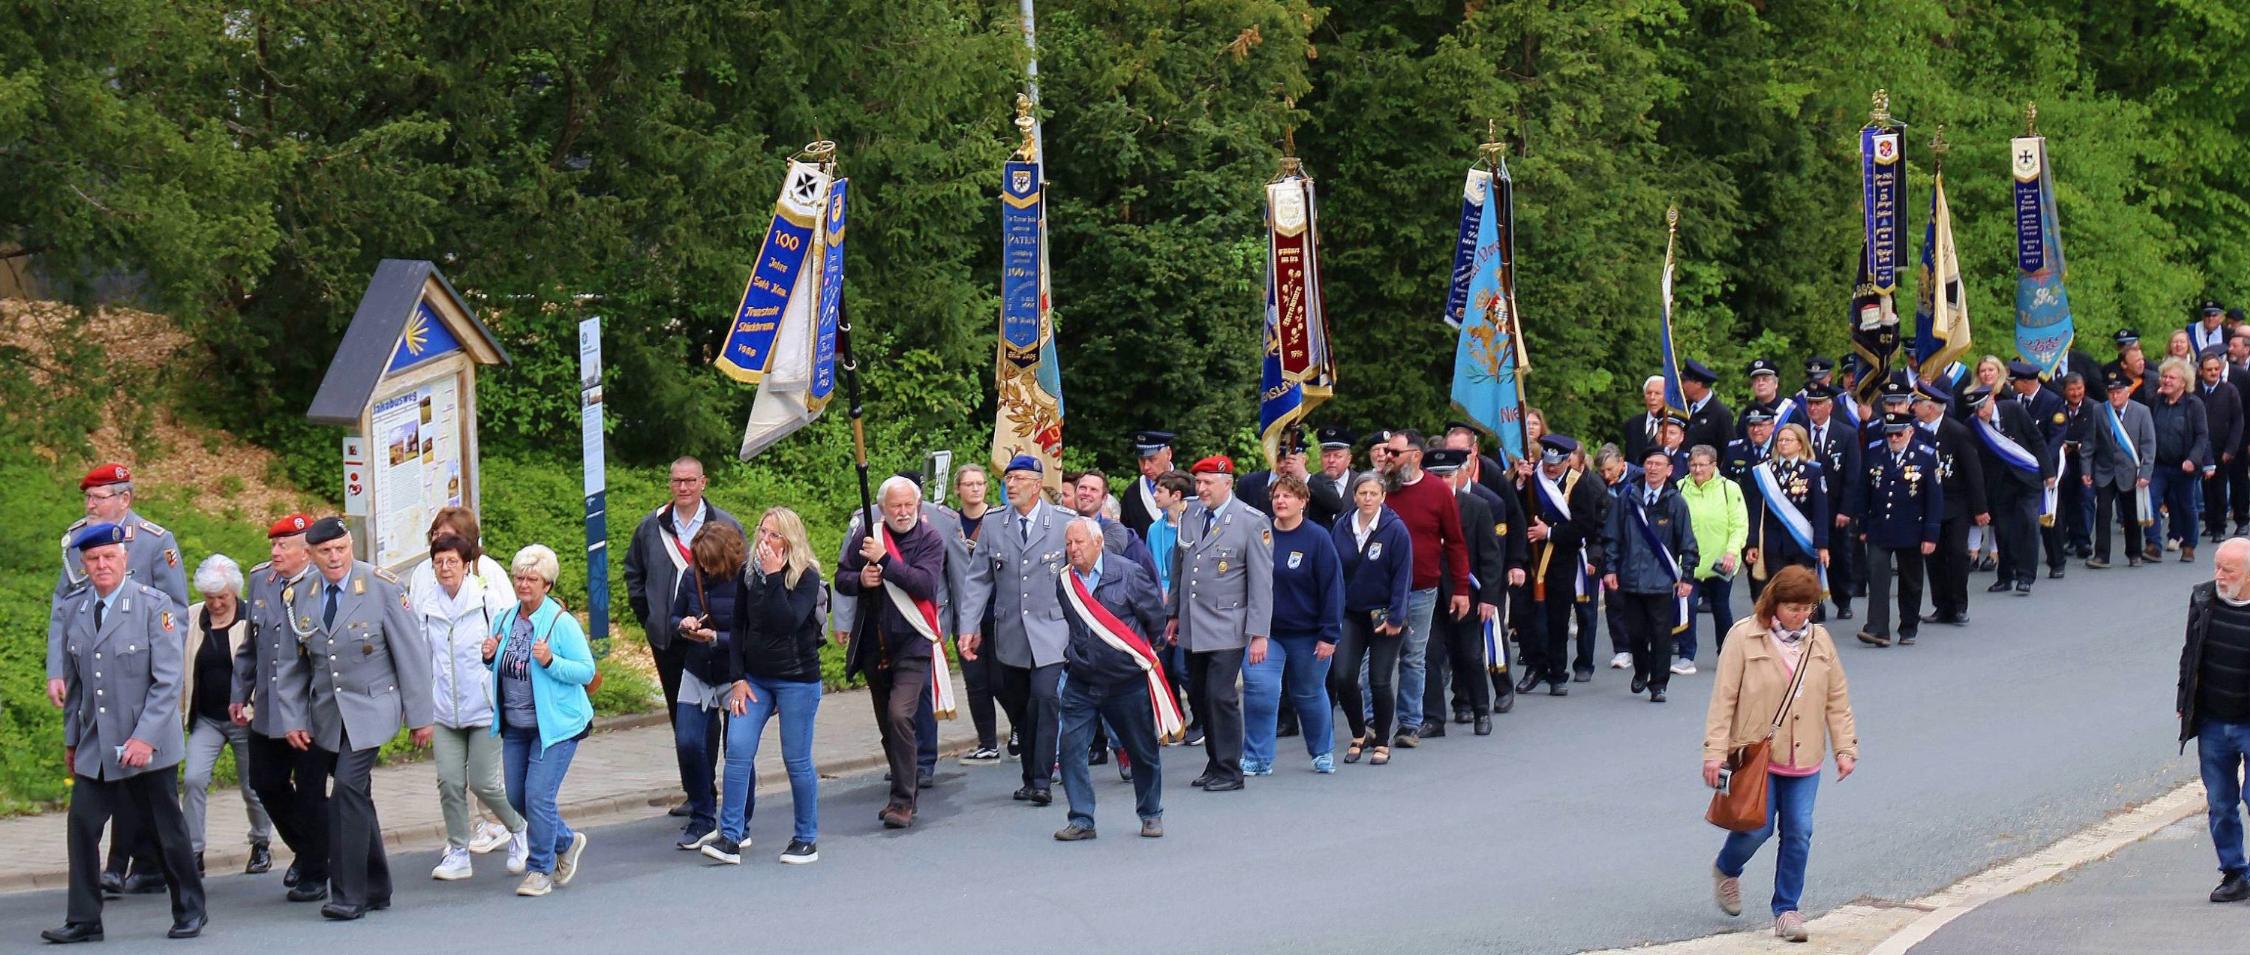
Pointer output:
804, 188
2025, 157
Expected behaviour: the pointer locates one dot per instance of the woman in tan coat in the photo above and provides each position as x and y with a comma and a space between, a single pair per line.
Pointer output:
1762, 655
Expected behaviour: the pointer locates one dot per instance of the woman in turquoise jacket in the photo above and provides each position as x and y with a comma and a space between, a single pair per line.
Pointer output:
541, 666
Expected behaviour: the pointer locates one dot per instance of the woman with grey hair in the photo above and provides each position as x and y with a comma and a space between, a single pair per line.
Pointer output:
541, 665
217, 629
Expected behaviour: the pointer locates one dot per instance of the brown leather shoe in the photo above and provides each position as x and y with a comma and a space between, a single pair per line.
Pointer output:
895, 817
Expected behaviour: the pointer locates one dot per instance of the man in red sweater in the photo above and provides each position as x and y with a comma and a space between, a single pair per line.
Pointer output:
1433, 519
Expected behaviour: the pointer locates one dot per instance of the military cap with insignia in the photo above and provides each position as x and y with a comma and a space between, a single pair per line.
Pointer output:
1675, 419
1763, 366
1818, 367
1696, 371
289, 526
2234, 314
2125, 337
97, 535
104, 476
324, 530
1978, 396
1757, 416
1555, 448
2021, 370
1215, 464
1820, 392
1334, 438
1853, 365
1444, 460
1929, 391
2114, 379
1895, 421
2210, 307
1151, 443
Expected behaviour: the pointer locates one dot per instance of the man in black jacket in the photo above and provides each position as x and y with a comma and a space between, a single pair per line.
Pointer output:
1563, 505
2213, 704
1836, 444
2222, 407
1108, 684
1961, 476
1709, 421
659, 552
1457, 646
1641, 429
889, 647
2018, 470
2048, 414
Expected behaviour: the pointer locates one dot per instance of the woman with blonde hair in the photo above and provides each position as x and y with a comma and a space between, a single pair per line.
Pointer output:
1787, 501
774, 666
1778, 646
1984, 541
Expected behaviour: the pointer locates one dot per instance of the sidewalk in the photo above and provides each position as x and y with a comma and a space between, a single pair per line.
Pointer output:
627, 770
2151, 897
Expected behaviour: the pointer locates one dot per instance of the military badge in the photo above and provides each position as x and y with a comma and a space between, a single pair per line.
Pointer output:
359, 586
2060, 417
366, 649
1266, 535
165, 618
1500, 529
1222, 567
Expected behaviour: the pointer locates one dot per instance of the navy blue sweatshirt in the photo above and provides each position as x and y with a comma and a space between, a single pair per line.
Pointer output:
1308, 584
1380, 576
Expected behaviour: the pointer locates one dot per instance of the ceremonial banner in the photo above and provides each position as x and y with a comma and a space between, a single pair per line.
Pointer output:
1299, 372
777, 281
1465, 244
1874, 308
1486, 388
2043, 321
1027, 376
1675, 399
1941, 314
792, 359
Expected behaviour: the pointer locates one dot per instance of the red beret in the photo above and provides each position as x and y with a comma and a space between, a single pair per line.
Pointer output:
1215, 464
105, 475
289, 525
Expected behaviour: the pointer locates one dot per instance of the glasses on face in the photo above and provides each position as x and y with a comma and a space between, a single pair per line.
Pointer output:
98, 496
684, 482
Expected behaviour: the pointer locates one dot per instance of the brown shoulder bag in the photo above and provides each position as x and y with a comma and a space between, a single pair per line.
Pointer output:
1740, 804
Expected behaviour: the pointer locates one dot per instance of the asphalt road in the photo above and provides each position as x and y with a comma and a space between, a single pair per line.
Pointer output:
1576, 825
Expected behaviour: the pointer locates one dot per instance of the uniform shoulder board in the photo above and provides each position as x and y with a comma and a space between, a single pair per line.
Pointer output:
388, 576
75, 525
153, 527
261, 568
78, 587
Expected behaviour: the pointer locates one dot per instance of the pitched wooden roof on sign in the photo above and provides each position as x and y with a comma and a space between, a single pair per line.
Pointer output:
409, 315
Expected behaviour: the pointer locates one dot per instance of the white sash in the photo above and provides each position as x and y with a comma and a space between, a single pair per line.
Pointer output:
1552, 494
1169, 727
1784, 510
923, 615
1148, 499
671, 541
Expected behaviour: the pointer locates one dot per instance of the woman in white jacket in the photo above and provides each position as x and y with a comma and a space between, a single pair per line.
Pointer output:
456, 594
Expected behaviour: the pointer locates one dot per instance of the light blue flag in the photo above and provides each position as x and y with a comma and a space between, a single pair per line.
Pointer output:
1485, 386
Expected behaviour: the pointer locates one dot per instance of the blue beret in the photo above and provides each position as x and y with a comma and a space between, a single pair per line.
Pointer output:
97, 535
1024, 462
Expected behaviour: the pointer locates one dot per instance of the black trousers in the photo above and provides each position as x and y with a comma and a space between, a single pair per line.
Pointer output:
1455, 659
1379, 652
2237, 473
358, 871
2015, 526
1843, 569
1033, 698
1547, 651
1948, 570
669, 661
1214, 678
896, 692
2216, 490
2127, 504
132, 847
152, 798
980, 679
1648, 625
292, 784
2074, 504
1903, 567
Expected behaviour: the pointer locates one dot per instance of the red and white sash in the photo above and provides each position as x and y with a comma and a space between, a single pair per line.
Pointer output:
1112, 631
923, 614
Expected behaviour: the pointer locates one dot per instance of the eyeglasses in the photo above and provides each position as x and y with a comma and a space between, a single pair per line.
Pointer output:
92, 496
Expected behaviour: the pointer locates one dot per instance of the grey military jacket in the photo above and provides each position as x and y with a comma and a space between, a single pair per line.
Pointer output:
370, 668
1222, 582
152, 557
961, 591
123, 681
270, 671
1027, 612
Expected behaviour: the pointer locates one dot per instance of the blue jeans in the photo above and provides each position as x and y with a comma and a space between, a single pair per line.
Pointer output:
2174, 491
1307, 676
2221, 747
1412, 654
695, 735
535, 778
1132, 727
1789, 803
797, 702
1720, 591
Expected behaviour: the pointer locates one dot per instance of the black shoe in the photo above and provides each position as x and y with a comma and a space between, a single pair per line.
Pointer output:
1194, 736
1483, 726
2000, 587
1987, 563
1432, 730
1097, 756
339, 912
1286, 730
1843, 613
1022, 793
199, 873
74, 932
1581, 674
1461, 715
2023, 587
1558, 688
289, 876
1222, 786
1015, 744
1201, 781
1529, 683
678, 812
1041, 797
1656, 696
2054, 573
308, 892
1639, 683
113, 883
1506, 703
144, 883
2234, 888
261, 859
1407, 739
189, 927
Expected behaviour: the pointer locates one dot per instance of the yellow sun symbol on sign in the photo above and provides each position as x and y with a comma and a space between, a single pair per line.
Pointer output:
417, 333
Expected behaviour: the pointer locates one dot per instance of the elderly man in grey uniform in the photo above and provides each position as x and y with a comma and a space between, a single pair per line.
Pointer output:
1025, 552
1221, 599
122, 667
153, 558
370, 675
960, 590
271, 685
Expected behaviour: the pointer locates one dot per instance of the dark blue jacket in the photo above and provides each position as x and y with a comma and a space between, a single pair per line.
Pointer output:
1626, 553
1128, 592
1806, 486
1379, 577
713, 662
1901, 506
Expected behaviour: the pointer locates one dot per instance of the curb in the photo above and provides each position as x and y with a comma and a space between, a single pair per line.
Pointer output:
607, 810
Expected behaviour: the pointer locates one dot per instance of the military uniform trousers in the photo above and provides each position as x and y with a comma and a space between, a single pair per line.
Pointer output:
1214, 680
1456, 657
2127, 504
151, 798
1547, 647
2015, 524
358, 871
293, 786
1903, 567
1033, 698
1947, 570
1846, 555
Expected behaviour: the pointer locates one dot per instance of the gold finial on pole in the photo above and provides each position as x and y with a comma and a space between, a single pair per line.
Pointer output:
1672, 219
1880, 115
2030, 119
1029, 151
819, 152
1938, 148
1492, 148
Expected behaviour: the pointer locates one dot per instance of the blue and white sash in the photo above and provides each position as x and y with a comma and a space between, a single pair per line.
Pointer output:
1553, 497
2117, 433
1681, 616
2006, 448
1792, 519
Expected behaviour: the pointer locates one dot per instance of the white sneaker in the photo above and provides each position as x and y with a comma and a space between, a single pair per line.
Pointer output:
489, 836
566, 865
519, 851
1684, 668
454, 866
1621, 661
536, 884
